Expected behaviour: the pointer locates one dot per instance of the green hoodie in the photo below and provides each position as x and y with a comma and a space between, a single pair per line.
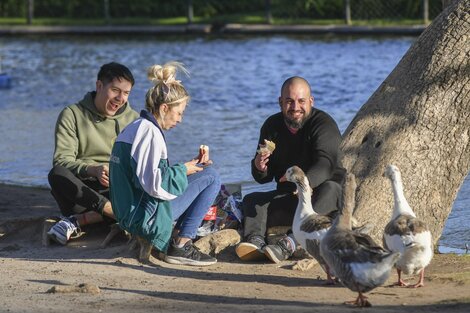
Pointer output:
85, 137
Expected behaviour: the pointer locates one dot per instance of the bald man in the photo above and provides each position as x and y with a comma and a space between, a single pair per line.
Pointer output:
303, 136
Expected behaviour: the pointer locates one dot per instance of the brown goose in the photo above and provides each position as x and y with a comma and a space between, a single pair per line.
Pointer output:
407, 234
359, 263
308, 226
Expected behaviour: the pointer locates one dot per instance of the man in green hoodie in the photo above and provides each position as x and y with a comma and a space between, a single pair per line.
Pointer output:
84, 136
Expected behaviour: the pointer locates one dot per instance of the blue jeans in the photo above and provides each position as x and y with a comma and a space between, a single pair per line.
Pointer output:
190, 208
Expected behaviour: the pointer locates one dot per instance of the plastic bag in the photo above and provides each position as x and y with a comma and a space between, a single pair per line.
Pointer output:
227, 206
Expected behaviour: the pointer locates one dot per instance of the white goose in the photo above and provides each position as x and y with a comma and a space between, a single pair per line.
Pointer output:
359, 263
407, 234
308, 226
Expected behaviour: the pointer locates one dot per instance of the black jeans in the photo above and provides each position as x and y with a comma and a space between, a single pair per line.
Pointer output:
74, 195
273, 208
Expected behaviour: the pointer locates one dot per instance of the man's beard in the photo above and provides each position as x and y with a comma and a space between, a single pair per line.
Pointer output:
296, 124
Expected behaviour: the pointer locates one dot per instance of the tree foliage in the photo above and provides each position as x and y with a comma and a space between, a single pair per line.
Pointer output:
326, 9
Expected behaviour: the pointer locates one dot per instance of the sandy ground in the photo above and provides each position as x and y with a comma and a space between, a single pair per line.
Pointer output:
35, 278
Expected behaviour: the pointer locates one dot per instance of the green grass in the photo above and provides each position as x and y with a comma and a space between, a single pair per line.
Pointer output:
93, 22
234, 18
388, 22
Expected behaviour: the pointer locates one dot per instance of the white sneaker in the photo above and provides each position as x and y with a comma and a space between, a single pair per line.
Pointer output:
63, 230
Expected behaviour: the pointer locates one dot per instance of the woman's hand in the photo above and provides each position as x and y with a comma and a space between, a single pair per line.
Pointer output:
203, 156
193, 167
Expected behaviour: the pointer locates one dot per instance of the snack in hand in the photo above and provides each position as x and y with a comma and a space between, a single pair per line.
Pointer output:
203, 154
268, 147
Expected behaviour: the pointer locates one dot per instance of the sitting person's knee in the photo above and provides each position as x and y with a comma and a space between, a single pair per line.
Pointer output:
249, 203
327, 198
55, 172
329, 188
211, 172
329, 184
248, 200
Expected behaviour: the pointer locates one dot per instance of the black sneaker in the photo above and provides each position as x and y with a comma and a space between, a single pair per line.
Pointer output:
188, 255
281, 251
252, 249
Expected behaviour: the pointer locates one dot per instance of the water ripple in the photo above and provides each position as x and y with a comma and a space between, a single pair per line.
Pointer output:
234, 86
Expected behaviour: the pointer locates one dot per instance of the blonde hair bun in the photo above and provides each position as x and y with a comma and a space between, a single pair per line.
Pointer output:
166, 89
166, 74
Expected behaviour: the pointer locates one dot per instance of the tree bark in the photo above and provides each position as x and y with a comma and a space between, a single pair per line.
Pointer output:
419, 120
107, 15
190, 11
347, 12
446, 3
29, 19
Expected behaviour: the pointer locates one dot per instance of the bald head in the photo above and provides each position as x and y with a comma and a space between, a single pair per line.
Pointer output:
295, 80
296, 101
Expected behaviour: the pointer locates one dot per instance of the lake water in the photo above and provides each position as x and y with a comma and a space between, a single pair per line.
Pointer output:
234, 86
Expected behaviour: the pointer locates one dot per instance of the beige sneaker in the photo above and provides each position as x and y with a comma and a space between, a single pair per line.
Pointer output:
252, 249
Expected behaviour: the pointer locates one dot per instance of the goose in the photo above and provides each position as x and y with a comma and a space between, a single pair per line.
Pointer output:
359, 263
308, 226
407, 234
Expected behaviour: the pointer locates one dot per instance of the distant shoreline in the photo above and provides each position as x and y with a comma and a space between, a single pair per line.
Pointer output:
208, 29
18, 185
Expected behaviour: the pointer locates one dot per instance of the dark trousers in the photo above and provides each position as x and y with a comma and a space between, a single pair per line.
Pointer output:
273, 208
74, 195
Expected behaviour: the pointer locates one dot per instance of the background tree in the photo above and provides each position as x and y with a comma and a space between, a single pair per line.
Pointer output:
419, 120
30, 16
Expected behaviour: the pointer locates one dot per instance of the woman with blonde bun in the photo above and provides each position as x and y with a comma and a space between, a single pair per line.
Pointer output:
149, 194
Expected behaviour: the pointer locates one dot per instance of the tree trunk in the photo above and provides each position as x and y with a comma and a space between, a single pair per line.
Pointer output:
190, 11
107, 15
347, 12
269, 16
426, 12
419, 120
446, 3
30, 13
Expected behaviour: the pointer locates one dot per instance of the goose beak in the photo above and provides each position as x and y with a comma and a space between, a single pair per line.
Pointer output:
282, 179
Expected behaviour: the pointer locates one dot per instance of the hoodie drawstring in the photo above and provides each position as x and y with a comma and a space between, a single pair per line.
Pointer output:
116, 127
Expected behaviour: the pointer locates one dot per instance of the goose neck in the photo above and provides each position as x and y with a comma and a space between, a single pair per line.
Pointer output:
305, 199
343, 221
400, 203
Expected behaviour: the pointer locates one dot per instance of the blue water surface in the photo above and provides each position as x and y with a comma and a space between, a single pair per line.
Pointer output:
234, 85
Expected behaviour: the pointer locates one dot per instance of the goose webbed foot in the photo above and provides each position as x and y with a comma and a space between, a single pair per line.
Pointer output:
331, 280
401, 283
420, 283
417, 285
361, 301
